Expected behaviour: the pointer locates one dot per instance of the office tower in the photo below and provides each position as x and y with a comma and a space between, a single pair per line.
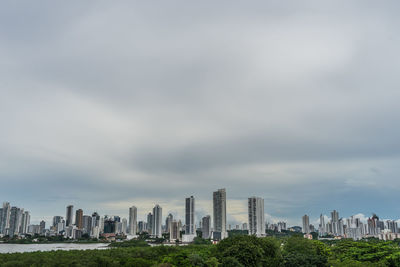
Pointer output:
86, 224
142, 226
245, 227
79, 219
124, 229
168, 222
206, 227
42, 226
157, 221
281, 226
5, 218
190, 226
175, 233
15, 218
219, 213
335, 222
256, 216
56, 220
321, 230
306, 224
25, 221
109, 226
150, 223
132, 220
69, 216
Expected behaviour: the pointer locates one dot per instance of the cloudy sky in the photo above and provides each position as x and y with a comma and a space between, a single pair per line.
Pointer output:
110, 104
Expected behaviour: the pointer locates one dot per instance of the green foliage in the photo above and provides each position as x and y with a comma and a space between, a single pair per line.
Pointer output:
249, 250
298, 251
130, 243
239, 250
201, 241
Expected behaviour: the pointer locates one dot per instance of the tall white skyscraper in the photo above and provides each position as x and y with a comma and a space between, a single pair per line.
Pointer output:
256, 216
219, 213
132, 220
306, 224
168, 222
157, 221
321, 229
190, 226
124, 226
335, 222
69, 215
25, 221
206, 227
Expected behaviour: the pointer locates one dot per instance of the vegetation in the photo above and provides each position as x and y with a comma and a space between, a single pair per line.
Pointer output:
238, 250
33, 239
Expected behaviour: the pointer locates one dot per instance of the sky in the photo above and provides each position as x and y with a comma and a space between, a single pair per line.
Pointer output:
109, 104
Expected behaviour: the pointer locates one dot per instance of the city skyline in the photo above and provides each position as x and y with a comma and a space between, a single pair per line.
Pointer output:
108, 105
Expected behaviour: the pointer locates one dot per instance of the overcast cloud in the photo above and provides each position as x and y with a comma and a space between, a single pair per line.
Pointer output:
111, 104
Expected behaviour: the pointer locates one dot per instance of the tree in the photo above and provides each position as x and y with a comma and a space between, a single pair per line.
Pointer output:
249, 250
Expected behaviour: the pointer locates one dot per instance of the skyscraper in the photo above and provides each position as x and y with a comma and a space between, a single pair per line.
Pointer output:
25, 221
219, 213
306, 224
15, 219
335, 222
157, 221
150, 223
256, 216
79, 219
322, 230
206, 227
42, 226
124, 226
175, 233
132, 220
5, 218
69, 216
190, 226
87, 224
168, 222
56, 220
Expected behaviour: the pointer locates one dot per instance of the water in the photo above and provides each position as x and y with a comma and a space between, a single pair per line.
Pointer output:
11, 248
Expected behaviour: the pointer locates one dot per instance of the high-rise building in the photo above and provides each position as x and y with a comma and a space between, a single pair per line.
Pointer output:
79, 219
25, 221
5, 218
321, 229
168, 222
175, 233
15, 220
190, 226
124, 226
109, 226
157, 221
56, 220
69, 215
86, 224
132, 220
219, 213
96, 225
206, 227
335, 222
306, 224
150, 223
256, 216
142, 226
42, 226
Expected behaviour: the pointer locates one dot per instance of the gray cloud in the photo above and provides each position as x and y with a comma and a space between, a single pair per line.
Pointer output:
103, 105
